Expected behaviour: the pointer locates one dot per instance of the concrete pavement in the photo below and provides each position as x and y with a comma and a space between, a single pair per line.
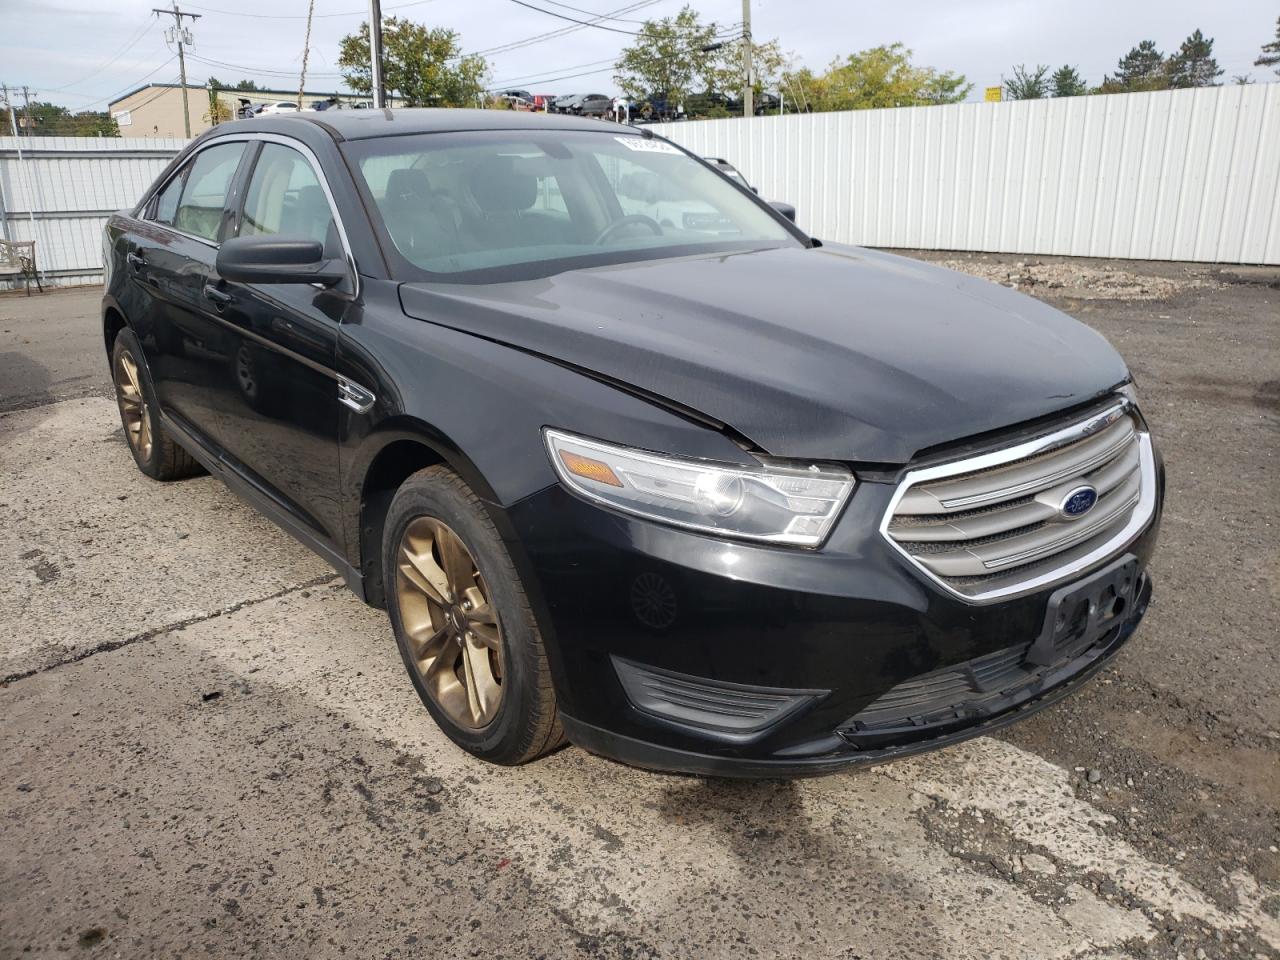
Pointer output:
211, 747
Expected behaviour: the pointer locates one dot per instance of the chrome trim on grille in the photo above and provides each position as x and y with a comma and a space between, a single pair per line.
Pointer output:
972, 544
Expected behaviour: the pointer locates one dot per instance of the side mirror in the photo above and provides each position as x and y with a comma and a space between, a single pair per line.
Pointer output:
275, 259
786, 209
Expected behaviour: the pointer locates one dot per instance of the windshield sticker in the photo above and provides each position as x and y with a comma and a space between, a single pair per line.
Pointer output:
645, 145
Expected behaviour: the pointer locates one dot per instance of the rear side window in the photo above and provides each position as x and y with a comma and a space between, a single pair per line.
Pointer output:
285, 197
200, 210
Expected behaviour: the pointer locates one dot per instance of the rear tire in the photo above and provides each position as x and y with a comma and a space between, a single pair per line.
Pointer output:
463, 623
154, 451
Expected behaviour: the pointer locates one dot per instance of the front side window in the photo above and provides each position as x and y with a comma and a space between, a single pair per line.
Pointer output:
285, 197
166, 202
506, 204
204, 196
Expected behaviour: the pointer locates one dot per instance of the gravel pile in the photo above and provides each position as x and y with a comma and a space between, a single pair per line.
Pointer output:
1081, 281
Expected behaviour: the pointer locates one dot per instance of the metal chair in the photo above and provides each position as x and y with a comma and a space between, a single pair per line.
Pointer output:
18, 259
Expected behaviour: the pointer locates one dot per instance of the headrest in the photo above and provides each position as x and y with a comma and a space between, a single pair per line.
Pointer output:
498, 188
408, 184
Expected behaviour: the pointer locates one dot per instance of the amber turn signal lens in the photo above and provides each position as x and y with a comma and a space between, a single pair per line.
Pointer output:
589, 469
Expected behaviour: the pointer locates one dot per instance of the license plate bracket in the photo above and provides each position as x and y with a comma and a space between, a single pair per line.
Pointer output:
1078, 615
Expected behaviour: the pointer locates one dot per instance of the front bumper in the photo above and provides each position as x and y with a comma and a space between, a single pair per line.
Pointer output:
841, 627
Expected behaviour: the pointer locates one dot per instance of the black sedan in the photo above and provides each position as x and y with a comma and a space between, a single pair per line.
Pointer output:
627, 457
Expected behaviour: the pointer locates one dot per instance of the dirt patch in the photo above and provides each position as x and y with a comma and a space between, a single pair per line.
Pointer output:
1082, 281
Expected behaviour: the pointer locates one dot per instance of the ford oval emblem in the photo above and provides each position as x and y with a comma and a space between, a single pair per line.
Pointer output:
1078, 502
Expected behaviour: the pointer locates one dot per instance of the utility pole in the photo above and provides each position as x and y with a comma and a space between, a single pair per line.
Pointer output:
306, 52
26, 108
183, 37
748, 108
375, 54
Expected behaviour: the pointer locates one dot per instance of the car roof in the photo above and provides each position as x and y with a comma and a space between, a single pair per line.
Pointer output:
368, 124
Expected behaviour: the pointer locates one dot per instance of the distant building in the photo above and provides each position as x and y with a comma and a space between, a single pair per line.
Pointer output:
155, 110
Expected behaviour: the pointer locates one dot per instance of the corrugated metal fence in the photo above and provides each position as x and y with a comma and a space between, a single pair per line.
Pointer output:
69, 186
1174, 175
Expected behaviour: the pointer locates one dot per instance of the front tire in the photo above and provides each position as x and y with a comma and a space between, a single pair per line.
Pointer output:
463, 623
154, 451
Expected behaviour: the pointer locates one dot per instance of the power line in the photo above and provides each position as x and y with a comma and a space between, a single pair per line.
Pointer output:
604, 66
600, 16
110, 98
585, 23
262, 71
553, 34
146, 26
297, 16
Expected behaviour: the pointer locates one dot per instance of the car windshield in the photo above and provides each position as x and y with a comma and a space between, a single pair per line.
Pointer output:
486, 206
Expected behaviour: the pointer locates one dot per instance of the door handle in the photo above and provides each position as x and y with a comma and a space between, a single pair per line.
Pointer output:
219, 297
135, 260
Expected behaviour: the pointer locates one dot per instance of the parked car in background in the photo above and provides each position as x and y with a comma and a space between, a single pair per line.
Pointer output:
595, 105
543, 101
516, 103
566, 103
517, 95
705, 495
280, 106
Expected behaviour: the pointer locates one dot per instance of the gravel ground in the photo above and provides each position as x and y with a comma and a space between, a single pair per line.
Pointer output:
209, 746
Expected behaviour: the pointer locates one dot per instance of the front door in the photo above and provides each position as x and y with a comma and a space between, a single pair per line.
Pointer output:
279, 427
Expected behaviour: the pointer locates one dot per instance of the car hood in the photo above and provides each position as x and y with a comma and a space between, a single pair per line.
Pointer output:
824, 353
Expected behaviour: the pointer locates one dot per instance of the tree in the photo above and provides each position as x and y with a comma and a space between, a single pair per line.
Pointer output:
52, 120
1027, 85
1066, 82
723, 72
424, 67
247, 86
1142, 68
673, 57
1270, 55
879, 77
1242, 80
1193, 65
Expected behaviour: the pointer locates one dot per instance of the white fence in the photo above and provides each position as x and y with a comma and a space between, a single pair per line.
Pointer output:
64, 188
1175, 175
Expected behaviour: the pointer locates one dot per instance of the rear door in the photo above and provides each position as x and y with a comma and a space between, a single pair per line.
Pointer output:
187, 349
279, 424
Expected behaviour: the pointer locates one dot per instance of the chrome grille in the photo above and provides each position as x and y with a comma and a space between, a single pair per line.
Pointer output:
999, 524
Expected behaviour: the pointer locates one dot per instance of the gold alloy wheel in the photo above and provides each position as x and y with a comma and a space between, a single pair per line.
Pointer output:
453, 632
137, 419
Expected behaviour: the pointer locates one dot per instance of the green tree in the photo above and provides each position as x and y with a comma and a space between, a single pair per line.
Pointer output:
1193, 65
879, 77
673, 57
1142, 68
1270, 55
51, 120
1027, 84
424, 67
247, 86
1066, 82
723, 72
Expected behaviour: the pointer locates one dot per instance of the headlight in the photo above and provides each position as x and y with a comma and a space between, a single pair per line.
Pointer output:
777, 503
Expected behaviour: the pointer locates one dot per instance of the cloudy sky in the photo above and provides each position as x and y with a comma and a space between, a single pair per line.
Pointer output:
75, 53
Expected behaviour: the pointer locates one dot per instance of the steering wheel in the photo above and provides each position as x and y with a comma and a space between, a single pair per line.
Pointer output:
630, 218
